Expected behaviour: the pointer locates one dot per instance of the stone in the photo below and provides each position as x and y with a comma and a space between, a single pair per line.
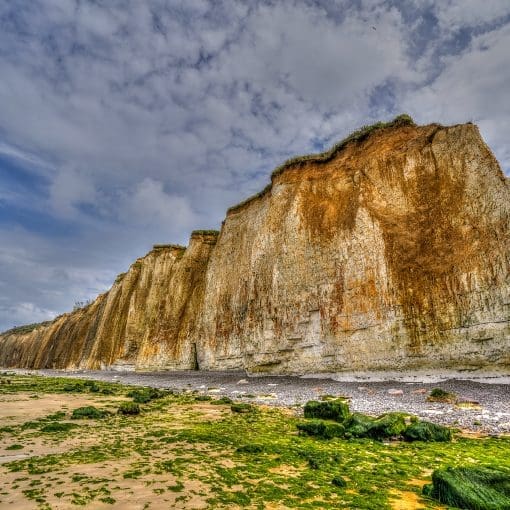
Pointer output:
390, 252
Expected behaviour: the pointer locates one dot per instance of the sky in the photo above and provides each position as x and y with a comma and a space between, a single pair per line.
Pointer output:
125, 124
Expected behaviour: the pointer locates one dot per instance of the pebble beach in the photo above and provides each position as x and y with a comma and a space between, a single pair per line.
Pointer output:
482, 400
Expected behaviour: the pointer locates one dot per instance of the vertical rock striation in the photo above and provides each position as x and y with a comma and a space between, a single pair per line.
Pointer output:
143, 321
391, 251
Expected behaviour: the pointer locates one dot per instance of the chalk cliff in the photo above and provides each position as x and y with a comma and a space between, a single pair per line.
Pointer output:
390, 251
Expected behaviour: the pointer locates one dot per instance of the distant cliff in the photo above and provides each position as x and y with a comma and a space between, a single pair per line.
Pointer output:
392, 250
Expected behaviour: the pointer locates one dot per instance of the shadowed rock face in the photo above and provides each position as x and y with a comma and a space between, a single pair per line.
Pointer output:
394, 253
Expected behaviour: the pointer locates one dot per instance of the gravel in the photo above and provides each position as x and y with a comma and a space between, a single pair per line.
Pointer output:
484, 406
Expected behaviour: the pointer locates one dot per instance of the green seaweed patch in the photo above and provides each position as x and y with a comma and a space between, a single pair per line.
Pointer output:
242, 407
336, 410
427, 431
222, 401
89, 413
251, 448
440, 395
322, 429
129, 409
147, 394
332, 418
55, 427
389, 425
338, 481
203, 398
88, 386
15, 447
471, 488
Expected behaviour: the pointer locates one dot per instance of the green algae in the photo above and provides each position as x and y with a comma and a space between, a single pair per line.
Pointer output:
471, 488
260, 454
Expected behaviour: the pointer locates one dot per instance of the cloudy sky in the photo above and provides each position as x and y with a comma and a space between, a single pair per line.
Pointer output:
125, 123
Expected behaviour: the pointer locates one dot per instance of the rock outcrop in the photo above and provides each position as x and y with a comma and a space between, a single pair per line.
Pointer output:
390, 251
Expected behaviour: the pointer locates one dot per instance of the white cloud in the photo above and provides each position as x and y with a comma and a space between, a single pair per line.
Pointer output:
455, 14
151, 205
159, 115
68, 190
472, 87
27, 313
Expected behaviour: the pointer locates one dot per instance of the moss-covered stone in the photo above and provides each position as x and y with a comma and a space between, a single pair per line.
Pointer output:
336, 410
58, 427
129, 408
387, 426
440, 395
427, 431
358, 425
145, 395
242, 408
88, 413
320, 428
471, 488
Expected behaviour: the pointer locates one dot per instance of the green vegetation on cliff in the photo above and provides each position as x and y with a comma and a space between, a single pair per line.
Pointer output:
322, 157
27, 328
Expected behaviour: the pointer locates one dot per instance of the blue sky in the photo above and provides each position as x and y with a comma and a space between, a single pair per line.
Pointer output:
127, 123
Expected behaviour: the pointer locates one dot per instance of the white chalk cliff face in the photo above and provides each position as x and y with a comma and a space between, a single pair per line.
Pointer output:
393, 252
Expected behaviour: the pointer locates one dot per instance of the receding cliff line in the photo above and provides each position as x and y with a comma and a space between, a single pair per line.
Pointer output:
390, 250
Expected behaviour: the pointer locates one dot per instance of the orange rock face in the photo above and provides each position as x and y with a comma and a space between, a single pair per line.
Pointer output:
392, 253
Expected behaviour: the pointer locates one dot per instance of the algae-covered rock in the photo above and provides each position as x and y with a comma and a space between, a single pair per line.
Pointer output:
358, 425
386, 426
440, 395
145, 395
320, 428
471, 488
338, 481
129, 408
427, 431
242, 408
336, 410
88, 413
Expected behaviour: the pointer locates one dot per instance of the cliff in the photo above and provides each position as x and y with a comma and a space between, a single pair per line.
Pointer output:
144, 320
392, 250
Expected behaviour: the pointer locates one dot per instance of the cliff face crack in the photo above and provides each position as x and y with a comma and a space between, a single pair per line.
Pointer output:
391, 250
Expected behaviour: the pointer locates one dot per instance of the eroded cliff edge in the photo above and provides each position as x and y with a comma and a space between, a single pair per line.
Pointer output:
392, 251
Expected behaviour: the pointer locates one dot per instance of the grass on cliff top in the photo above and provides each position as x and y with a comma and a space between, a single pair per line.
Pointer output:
356, 136
168, 246
183, 451
27, 328
205, 233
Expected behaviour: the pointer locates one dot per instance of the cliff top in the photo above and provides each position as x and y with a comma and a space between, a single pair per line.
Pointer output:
357, 136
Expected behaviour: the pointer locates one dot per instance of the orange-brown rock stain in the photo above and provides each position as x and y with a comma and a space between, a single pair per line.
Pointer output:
394, 249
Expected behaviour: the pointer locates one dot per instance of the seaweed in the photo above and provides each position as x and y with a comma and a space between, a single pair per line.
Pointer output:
336, 410
322, 429
88, 413
471, 488
129, 408
427, 431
